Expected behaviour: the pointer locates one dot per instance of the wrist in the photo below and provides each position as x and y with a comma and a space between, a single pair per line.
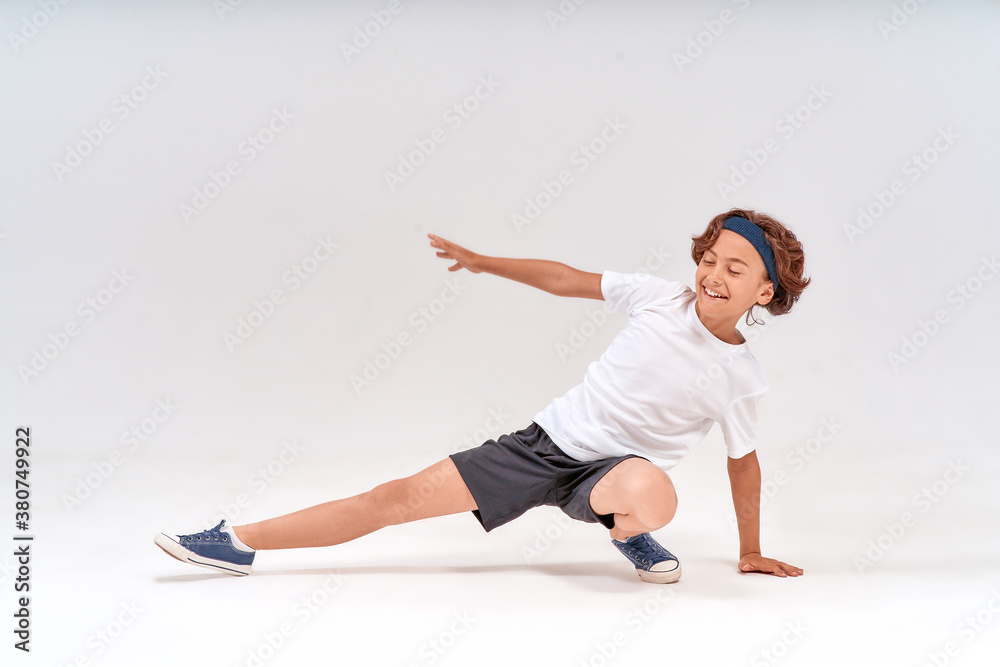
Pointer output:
483, 264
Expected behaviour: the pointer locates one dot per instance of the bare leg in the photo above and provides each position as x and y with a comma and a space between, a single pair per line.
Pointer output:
639, 494
435, 491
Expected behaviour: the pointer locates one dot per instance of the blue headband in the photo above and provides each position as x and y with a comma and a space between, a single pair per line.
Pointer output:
755, 236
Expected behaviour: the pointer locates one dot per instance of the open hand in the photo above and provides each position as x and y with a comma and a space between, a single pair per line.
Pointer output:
464, 259
756, 563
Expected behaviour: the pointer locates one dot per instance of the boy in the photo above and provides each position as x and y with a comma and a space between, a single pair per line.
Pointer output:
601, 451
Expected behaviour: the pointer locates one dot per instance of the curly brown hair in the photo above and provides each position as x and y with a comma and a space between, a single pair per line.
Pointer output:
789, 260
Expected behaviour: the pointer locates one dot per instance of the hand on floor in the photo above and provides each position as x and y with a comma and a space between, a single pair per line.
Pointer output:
756, 563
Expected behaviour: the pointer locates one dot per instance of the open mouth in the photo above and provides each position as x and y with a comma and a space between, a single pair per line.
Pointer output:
714, 296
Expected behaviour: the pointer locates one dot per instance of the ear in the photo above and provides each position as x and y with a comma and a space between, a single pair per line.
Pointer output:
766, 293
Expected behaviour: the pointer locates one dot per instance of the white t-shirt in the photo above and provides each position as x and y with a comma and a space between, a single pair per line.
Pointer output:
660, 385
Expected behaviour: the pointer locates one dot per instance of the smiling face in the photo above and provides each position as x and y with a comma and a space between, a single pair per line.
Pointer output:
729, 280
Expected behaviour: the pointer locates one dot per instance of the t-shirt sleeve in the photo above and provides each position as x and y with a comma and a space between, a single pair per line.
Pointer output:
739, 425
631, 292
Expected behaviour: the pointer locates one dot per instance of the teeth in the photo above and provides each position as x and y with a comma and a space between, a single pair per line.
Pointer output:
715, 294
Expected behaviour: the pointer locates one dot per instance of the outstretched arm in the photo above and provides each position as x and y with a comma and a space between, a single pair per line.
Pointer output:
553, 277
744, 476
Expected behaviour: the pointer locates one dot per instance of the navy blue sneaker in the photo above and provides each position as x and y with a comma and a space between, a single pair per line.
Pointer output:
652, 562
213, 549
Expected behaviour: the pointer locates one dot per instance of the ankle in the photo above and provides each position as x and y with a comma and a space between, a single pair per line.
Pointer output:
245, 535
623, 535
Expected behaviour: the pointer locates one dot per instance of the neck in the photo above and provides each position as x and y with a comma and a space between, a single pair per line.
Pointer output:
723, 329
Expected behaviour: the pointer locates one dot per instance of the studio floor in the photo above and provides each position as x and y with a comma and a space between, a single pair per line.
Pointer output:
542, 590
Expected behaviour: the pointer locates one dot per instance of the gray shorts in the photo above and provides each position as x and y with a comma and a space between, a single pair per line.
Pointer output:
525, 469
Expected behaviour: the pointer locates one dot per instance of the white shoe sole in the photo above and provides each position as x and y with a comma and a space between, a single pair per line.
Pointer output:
174, 548
660, 577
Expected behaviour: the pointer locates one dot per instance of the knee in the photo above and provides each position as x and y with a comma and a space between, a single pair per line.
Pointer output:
387, 502
639, 489
654, 497
400, 500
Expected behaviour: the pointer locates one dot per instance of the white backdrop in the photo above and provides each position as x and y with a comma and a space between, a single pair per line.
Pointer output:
214, 230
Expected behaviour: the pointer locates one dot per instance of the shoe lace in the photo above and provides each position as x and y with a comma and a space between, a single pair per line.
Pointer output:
647, 549
211, 535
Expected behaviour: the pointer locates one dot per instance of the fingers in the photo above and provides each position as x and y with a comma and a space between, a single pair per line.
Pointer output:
444, 247
454, 267
790, 570
767, 566
437, 241
447, 251
771, 566
786, 570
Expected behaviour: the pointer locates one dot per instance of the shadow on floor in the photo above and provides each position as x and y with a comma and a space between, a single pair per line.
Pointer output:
610, 571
